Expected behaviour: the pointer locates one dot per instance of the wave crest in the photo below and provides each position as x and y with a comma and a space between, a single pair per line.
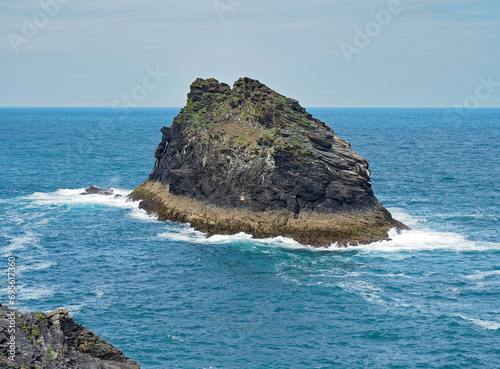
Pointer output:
119, 199
420, 238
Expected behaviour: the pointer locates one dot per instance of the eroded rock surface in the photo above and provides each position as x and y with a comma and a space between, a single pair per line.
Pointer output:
248, 159
55, 341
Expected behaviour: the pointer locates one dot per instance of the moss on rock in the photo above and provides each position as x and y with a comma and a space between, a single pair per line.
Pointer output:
248, 159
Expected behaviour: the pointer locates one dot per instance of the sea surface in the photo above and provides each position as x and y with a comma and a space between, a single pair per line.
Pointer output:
171, 298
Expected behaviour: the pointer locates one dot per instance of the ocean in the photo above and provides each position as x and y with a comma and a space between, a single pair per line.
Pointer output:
171, 298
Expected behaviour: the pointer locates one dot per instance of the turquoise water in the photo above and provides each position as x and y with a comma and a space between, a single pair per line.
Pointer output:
170, 298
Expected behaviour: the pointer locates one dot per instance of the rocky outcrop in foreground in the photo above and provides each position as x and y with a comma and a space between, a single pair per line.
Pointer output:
248, 159
54, 341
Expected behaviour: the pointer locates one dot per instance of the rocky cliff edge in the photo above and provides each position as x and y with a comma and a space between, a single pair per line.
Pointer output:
54, 341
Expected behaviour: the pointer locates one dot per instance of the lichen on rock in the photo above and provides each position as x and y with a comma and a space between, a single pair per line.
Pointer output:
249, 159
54, 341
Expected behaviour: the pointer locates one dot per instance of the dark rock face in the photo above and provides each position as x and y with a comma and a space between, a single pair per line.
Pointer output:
55, 341
252, 149
93, 190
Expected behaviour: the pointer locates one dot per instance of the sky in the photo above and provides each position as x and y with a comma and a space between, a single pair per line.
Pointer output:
324, 53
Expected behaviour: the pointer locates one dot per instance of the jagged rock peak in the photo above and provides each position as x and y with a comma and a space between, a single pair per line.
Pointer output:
202, 87
243, 88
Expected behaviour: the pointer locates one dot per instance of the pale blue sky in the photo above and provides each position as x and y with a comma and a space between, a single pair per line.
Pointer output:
92, 52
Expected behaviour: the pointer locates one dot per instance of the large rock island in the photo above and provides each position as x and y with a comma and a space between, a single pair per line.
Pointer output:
248, 159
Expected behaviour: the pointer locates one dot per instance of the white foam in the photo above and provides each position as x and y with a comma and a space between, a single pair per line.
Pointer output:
73, 309
406, 218
20, 242
367, 291
417, 239
42, 223
34, 293
182, 233
287, 243
14, 217
342, 275
185, 233
482, 275
76, 197
142, 214
94, 301
175, 338
487, 324
38, 266
245, 237
392, 275
424, 240
99, 293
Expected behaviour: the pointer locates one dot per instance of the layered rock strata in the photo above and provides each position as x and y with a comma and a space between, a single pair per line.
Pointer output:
54, 341
248, 159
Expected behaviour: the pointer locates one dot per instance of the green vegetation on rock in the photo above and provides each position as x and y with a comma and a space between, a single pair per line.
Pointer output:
251, 149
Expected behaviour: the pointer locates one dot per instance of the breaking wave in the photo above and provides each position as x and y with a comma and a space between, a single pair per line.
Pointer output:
420, 238
118, 199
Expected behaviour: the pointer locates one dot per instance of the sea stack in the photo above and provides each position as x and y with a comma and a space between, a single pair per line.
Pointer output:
248, 159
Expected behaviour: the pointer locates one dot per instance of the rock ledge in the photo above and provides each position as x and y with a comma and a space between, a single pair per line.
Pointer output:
55, 341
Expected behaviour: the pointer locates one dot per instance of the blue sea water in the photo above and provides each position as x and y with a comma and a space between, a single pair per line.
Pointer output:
171, 298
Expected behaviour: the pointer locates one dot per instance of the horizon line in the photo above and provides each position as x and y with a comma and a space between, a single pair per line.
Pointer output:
307, 107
